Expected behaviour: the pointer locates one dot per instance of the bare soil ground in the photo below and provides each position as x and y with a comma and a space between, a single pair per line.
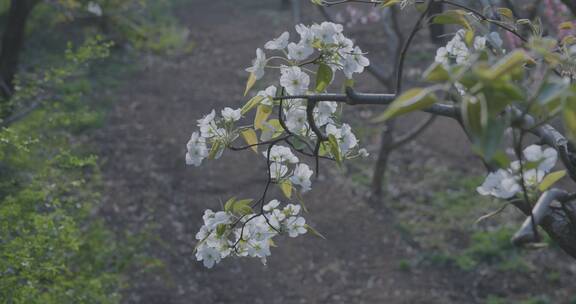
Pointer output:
148, 187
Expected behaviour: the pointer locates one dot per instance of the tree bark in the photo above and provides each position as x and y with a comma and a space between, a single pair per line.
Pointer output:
436, 30
13, 41
379, 174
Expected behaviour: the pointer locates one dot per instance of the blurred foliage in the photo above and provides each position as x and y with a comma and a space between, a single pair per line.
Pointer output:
53, 249
146, 25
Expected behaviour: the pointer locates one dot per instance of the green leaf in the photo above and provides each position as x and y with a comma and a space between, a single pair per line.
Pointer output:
250, 83
251, 139
323, 77
488, 144
469, 38
474, 111
242, 207
335, 148
506, 65
254, 101
569, 118
457, 17
313, 231
275, 123
220, 229
286, 187
551, 179
436, 73
387, 3
262, 113
229, 204
412, 100
505, 12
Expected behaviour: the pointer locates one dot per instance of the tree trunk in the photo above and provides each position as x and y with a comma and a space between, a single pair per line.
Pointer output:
13, 41
436, 30
382, 162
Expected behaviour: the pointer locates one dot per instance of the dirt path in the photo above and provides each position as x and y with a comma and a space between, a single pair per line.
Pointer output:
148, 186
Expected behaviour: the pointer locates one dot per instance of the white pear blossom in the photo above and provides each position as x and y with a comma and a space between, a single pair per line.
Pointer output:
306, 35
94, 8
282, 154
273, 204
213, 219
299, 52
196, 150
291, 210
457, 47
345, 45
231, 115
499, 184
355, 63
279, 43
278, 170
326, 31
269, 93
258, 64
546, 158
296, 226
294, 80
296, 119
208, 255
301, 177
324, 111
346, 139
207, 124
479, 43
207, 119
505, 183
442, 56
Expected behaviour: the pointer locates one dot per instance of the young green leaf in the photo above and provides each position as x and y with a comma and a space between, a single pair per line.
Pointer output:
242, 207
262, 113
251, 139
551, 179
313, 231
250, 83
506, 65
286, 187
335, 148
229, 204
412, 100
436, 73
457, 17
254, 101
323, 77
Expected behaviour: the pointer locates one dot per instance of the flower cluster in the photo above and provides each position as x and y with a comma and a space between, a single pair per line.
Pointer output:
280, 159
215, 134
252, 237
457, 50
325, 39
238, 231
506, 183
